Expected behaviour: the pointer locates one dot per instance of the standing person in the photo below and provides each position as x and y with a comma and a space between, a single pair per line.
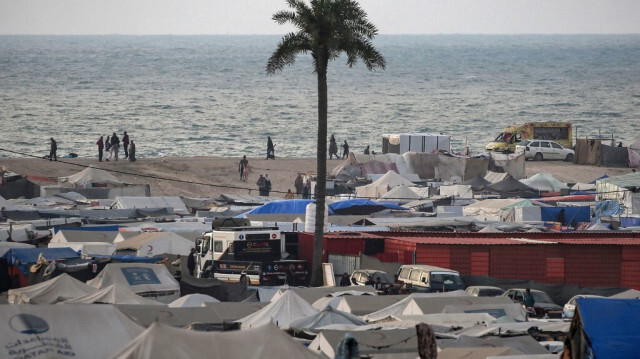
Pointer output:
100, 144
345, 281
345, 149
132, 152
366, 150
270, 149
243, 168
115, 146
191, 261
333, 147
53, 150
125, 144
107, 147
289, 194
306, 191
529, 301
261, 183
299, 185
267, 185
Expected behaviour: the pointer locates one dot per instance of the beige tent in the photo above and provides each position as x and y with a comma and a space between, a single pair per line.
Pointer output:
91, 176
402, 194
54, 290
113, 294
283, 311
382, 185
493, 207
149, 244
163, 341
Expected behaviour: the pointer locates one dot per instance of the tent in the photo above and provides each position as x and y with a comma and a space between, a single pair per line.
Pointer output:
401, 194
606, 328
363, 305
568, 216
370, 342
90, 177
332, 299
131, 202
283, 311
6, 246
23, 258
327, 316
113, 294
382, 185
361, 207
192, 300
163, 341
494, 207
52, 291
511, 187
75, 236
544, 182
148, 280
291, 206
477, 183
149, 244
312, 294
64, 331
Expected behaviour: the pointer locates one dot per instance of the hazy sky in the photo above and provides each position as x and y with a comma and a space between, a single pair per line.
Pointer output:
254, 16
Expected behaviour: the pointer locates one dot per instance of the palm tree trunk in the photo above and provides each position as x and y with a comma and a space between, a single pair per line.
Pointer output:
321, 184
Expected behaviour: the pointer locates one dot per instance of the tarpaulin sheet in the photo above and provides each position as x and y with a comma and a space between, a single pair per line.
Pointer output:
588, 152
634, 158
569, 216
22, 258
512, 164
629, 221
19, 188
614, 156
607, 208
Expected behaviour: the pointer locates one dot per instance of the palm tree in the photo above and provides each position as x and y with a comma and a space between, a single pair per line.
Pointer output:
325, 28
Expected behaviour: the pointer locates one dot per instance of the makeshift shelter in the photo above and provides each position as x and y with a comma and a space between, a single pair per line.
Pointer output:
291, 206
223, 312
314, 293
363, 305
192, 300
174, 202
621, 189
85, 242
361, 207
511, 187
6, 246
513, 164
371, 342
477, 183
113, 294
149, 244
382, 185
333, 299
492, 208
327, 316
54, 290
283, 311
163, 341
544, 182
148, 280
568, 216
605, 328
401, 194
19, 260
92, 177
64, 331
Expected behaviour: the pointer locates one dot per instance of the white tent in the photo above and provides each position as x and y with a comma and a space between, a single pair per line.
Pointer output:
283, 311
64, 331
79, 236
493, 207
332, 299
113, 294
130, 202
149, 244
362, 305
163, 341
544, 182
192, 300
382, 185
401, 194
90, 176
325, 317
514, 311
450, 320
456, 190
88, 248
54, 290
148, 280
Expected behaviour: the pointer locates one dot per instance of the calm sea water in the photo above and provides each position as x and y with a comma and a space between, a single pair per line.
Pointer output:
210, 95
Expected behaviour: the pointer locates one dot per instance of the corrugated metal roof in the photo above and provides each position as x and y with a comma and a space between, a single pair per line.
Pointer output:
470, 240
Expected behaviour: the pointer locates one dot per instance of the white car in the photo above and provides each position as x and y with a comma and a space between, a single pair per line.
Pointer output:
539, 150
570, 308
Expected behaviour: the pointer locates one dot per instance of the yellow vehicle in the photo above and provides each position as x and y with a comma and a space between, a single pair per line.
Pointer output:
506, 141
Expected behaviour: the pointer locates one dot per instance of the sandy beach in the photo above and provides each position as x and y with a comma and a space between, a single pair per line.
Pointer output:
212, 176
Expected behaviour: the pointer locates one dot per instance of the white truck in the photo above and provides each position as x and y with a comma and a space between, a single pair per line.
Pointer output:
258, 252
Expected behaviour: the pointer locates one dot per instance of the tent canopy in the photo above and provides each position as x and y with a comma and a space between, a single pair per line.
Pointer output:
361, 207
283, 311
382, 185
544, 182
51, 291
113, 294
92, 175
148, 244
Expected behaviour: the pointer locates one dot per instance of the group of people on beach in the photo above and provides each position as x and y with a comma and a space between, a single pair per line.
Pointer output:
333, 148
112, 147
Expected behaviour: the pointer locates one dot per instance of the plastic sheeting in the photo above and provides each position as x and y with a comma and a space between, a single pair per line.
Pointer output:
22, 258
607, 208
614, 156
513, 164
588, 152
54, 290
568, 216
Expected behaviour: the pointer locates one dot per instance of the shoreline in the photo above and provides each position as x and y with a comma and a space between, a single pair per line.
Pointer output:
210, 176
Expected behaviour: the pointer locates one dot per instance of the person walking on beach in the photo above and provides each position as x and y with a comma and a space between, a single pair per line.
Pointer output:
107, 147
270, 149
366, 150
100, 144
345, 149
267, 185
115, 146
125, 144
299, 185
333, 148
243, 168
261, 184
53, 150
132, 152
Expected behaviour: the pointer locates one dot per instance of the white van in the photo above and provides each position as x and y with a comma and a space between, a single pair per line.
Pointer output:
425, 278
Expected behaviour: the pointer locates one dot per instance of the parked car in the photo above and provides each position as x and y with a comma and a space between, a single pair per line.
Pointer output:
544, 305
539, 150
484, 291
425, 278
570, 308
360, 277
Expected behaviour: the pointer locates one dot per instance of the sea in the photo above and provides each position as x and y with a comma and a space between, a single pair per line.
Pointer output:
211, 95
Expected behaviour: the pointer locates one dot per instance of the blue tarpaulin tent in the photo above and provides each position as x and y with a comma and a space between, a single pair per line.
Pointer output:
291, 206
569, 216
22, 258
111, 228
606, 328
